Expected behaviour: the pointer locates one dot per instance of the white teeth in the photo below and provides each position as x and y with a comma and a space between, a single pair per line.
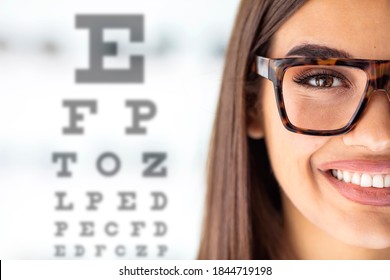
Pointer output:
339, 174
387, 181
364, 180
377, 181
355, 179
347, 176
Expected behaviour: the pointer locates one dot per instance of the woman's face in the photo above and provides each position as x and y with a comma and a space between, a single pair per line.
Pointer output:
303, 164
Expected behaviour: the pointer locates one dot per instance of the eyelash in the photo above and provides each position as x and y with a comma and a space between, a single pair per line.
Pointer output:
304, 77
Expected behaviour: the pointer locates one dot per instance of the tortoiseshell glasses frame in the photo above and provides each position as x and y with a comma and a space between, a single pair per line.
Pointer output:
377, 73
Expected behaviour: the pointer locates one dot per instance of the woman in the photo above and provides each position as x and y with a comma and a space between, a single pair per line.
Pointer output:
300, 158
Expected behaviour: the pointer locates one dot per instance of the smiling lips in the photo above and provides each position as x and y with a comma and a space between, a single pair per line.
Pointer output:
362, 181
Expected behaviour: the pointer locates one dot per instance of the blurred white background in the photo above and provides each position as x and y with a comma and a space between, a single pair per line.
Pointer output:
40, 50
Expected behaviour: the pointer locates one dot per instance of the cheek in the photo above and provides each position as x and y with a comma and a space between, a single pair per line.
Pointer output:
290, 153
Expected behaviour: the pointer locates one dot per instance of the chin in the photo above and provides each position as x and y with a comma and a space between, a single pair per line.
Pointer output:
375, 240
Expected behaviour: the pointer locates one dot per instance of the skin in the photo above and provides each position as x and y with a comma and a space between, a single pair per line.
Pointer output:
319, 222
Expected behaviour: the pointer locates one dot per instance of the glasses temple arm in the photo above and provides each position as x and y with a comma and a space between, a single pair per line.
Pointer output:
262, 66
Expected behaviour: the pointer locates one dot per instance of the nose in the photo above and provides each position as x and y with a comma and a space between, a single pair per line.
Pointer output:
372, 131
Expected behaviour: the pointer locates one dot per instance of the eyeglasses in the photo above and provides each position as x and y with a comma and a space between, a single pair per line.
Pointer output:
323, 96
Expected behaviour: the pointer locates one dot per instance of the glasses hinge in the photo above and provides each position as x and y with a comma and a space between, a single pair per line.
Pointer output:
262, 66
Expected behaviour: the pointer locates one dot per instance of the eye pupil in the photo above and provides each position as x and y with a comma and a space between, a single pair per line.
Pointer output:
324, 81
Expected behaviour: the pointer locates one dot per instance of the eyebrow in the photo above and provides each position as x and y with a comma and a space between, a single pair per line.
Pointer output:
320, 51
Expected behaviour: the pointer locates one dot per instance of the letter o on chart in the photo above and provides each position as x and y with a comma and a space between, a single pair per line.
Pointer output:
103, 164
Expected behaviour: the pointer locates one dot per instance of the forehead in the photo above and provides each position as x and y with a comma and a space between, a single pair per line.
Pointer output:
362, 28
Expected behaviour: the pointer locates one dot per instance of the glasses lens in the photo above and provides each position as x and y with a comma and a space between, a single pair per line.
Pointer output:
322, 97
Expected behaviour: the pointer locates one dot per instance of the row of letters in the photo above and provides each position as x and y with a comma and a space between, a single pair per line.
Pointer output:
100, 250
154, 164
111, 228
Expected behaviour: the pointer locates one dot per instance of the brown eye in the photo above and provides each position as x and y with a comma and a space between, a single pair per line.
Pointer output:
322, 81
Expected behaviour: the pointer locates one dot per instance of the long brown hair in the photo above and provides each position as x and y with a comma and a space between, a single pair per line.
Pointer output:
243, 210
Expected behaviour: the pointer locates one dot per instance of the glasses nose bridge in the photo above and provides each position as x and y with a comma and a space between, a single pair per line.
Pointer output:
380, 76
